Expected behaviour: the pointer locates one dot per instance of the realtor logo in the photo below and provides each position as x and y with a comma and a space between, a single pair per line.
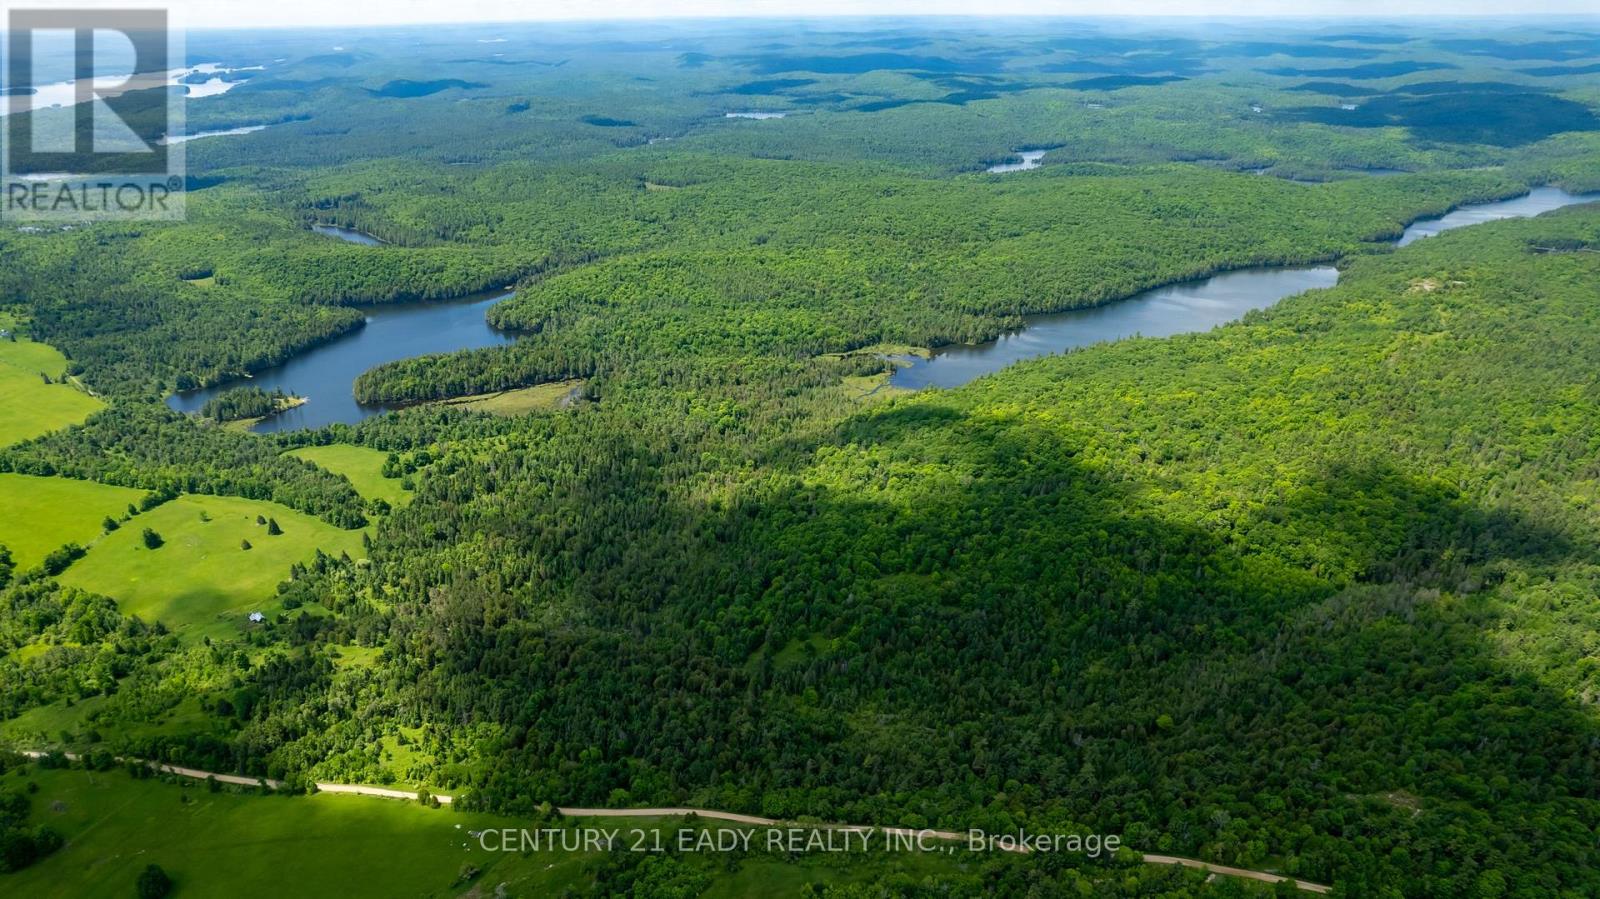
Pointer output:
88, 106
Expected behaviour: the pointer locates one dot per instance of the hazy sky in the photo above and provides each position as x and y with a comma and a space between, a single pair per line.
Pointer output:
239, 13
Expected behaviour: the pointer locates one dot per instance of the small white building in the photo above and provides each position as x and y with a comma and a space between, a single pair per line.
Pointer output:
257, 618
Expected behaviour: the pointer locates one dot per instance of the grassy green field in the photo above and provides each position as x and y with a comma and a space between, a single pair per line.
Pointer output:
43, 725
244, 845
43, 514
201, 580
63, 724
538, 398
357, 656
865, 387
362, 465
28, 406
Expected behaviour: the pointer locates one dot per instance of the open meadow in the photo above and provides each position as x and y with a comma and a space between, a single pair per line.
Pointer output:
35, 398
44, 514
202, 579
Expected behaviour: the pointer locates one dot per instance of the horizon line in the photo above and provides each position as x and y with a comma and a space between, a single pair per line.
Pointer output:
1297, 17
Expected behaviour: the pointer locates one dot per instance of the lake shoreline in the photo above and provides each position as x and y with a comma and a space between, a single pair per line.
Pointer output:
1465, 214
387, 332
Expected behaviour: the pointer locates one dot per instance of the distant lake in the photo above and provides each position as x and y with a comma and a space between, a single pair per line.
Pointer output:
754, 115
349, 234
326, 373
1030, 160
65, 93
222, 132
1183, 308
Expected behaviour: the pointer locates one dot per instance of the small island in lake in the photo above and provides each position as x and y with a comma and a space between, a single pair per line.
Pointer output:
246, 406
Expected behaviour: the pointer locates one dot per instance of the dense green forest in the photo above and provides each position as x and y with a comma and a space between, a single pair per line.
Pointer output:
1060, 594
1312, 592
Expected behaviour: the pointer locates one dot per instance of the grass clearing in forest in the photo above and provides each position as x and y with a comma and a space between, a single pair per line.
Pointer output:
863, 387
538, 398
73, 723
43, 725
362, 465
201, 579
29, 405
44, 514
352, 656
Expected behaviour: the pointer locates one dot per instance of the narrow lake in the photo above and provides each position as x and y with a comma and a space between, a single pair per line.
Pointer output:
350, 235
222, 132
326, 373
1163, 312
1541, 199
1182, 308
